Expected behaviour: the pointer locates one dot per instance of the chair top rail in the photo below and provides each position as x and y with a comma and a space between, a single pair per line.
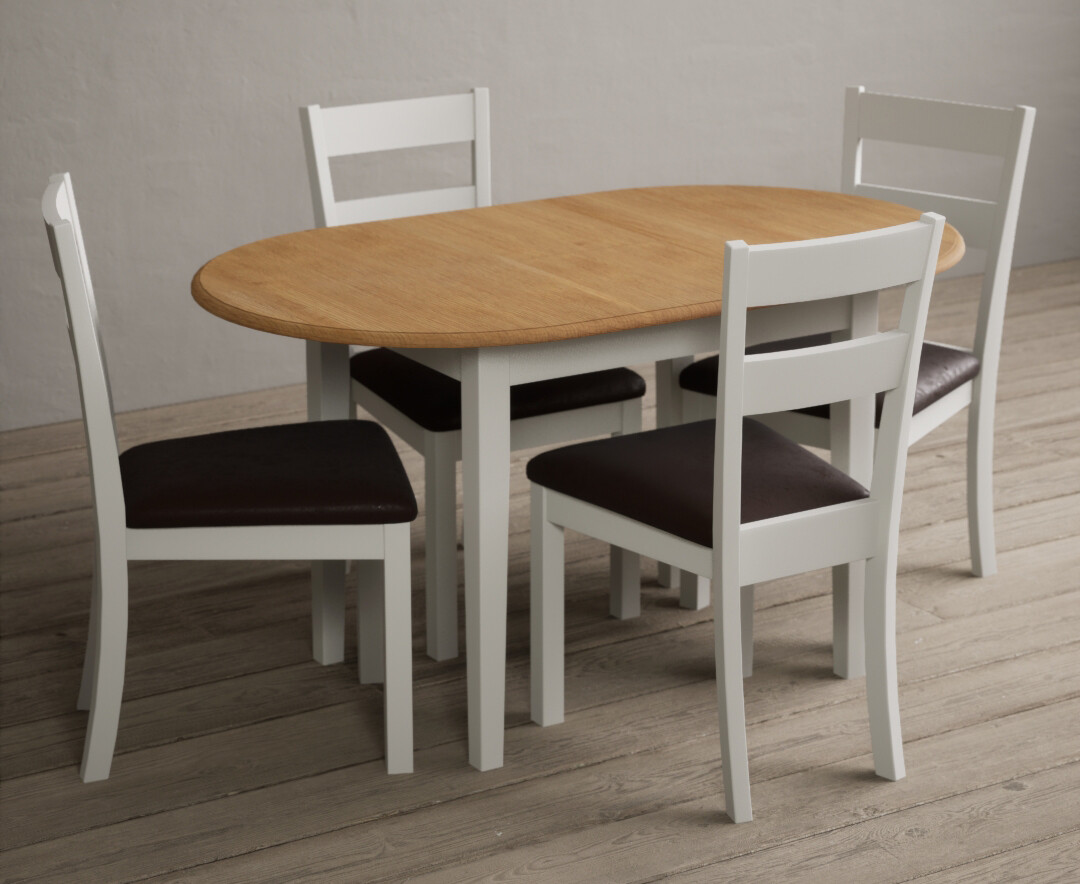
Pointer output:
951, 125
788, 273
391, 125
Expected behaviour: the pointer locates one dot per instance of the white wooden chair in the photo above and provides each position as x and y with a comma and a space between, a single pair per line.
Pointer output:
950, 378
286, 492
735, 501
419, 404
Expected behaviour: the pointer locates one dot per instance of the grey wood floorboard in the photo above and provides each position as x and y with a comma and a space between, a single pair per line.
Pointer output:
239, 759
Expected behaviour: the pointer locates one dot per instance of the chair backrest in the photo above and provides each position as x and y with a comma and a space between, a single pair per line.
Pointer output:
984, 224
69, 258
392, 125
813, 270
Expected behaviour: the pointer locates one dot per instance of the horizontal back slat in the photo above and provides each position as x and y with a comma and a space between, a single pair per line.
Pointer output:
837, 372
389, 125
947, 124
402, 205
974, 218
787, 273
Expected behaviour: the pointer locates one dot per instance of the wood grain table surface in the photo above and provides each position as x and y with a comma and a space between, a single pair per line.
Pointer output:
526, 272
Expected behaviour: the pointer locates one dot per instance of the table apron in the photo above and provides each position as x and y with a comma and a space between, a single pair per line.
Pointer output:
535, 362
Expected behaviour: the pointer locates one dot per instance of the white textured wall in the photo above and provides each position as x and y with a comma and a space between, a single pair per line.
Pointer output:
178, 122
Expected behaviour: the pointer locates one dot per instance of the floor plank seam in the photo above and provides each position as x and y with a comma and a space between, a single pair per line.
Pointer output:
866, 819
441, 680
989, 856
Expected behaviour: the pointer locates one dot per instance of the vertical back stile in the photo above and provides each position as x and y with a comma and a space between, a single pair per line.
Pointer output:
482, 148
991, 319
61, 219
890, 457
318, 161
727, 475
851, 153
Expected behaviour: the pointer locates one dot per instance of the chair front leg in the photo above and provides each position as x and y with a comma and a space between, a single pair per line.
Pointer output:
108, 639
546, 614
980, 479
727, 627
882, 691
396, 624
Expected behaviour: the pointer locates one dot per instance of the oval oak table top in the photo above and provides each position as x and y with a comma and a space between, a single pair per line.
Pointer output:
523, 273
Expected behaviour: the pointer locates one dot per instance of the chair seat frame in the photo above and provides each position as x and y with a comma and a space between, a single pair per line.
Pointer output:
384, 600
989, 225
743, 554
391, 125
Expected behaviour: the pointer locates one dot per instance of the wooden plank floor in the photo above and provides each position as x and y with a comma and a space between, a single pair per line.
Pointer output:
239, 759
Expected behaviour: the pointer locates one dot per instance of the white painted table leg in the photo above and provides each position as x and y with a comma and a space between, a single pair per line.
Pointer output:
485, 466
852, 443
625, 570
328, 390
668, 414
547, 607
328, 382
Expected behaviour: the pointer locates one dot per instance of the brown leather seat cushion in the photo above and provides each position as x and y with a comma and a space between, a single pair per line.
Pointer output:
433, 400
664, 478
325, 473
941, 370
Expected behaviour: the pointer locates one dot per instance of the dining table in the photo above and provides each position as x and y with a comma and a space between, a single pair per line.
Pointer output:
527, 291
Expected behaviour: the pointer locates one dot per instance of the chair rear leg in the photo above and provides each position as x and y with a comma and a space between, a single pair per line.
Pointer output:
396, 625
86, 685
747, 618
849, 653
108, 639
625, 584
882, 692
440, 548
980, 482
727, 626
694, 591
